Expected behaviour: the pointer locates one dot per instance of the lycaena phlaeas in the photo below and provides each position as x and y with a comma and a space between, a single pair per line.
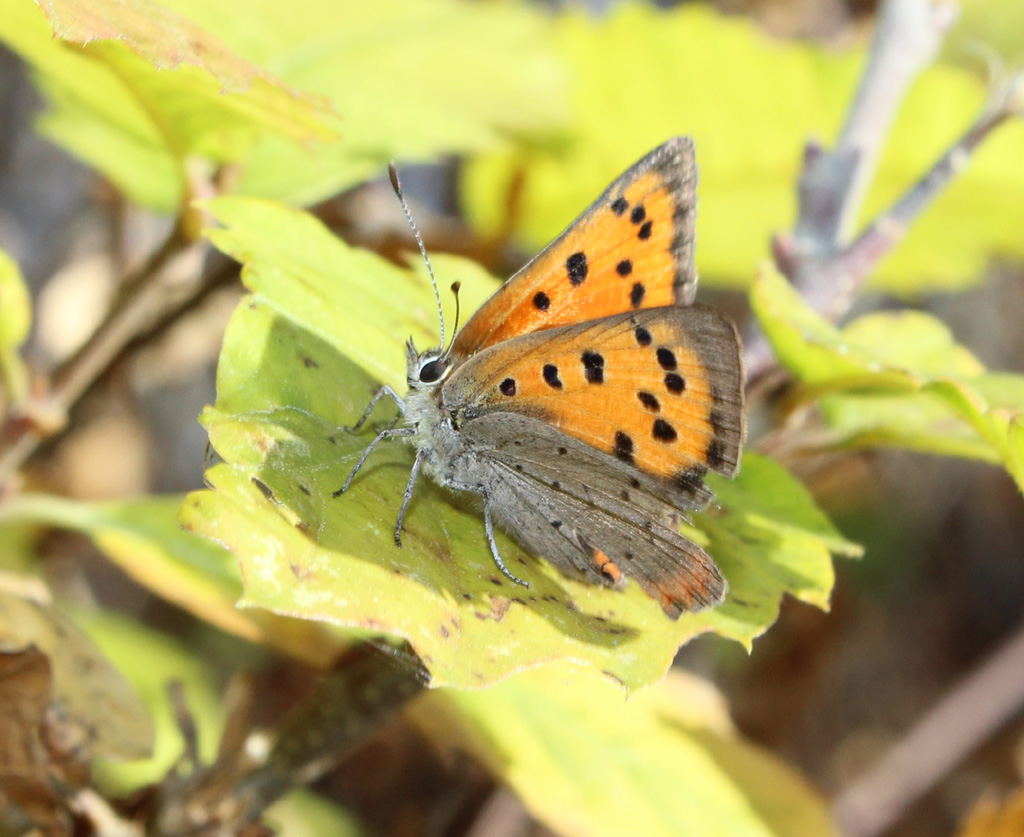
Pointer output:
588, 397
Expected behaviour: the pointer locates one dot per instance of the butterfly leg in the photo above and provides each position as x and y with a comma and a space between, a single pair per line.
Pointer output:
409, 488
390, 433
488, 528
384, 390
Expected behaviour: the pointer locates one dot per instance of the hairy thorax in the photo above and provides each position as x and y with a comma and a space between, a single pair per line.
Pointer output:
435, 434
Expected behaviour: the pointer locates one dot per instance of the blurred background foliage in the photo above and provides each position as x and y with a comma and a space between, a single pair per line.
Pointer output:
509, 118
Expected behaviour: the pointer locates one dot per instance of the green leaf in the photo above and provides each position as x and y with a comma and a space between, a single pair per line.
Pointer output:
15, 321
986, 25
139, 89
640, 75
136, 89
894, 379
150, 660
144, 539
901, 349
347, 297
583, 761
972, 221
769, 534
304, 814
299, 361
95, 700
414, 79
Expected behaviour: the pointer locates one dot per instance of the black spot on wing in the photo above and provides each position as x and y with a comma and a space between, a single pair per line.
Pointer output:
593, 367
623, 446
716, 455
551, 376
691, 480
663, 431
716, 452
576, 266
636, 294
666, 358
541, 301
675, 383
649, 401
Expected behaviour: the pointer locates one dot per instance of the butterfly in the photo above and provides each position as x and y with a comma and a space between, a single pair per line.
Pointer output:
587, 398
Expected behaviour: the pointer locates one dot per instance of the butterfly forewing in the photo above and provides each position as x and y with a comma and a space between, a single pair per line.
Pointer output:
631, 250
659, 390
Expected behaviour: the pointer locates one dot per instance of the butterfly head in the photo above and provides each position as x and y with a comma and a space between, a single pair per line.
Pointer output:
426, 370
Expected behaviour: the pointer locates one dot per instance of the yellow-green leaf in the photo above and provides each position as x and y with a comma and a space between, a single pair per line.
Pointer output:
15, 321
986, 25
145, 540
150, 660
300, 360
139, 89
304, 814
135, 89
640, 75
414, 80
584, 761
94, 697
895, 378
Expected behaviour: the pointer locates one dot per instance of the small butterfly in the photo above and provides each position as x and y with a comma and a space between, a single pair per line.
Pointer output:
587, 398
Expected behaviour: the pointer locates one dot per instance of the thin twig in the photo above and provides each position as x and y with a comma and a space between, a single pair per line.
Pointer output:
832, 285
172, 274
966, 717
365, 689
907, 36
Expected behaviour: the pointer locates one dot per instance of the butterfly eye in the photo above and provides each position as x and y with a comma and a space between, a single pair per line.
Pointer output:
432, 371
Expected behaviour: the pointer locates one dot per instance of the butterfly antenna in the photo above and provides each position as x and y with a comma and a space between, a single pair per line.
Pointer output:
456, 286
396, 184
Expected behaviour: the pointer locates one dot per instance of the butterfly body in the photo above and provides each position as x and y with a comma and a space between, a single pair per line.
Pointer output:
585, 401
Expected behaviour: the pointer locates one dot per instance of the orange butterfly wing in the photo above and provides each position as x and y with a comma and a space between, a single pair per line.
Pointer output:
658, 389
632, 249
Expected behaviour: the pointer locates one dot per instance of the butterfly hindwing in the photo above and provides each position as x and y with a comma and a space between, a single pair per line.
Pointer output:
632, 249
591, 515
659, 389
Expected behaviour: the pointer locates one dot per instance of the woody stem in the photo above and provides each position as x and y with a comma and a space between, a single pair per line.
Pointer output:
907, 36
